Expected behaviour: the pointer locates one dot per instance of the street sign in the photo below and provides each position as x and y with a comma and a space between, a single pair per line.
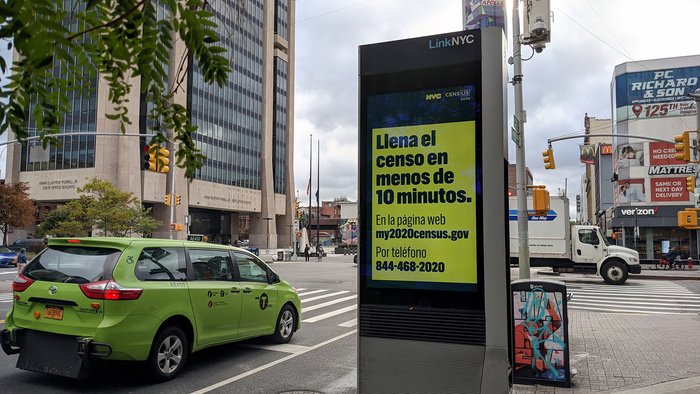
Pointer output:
515, 136
515, 131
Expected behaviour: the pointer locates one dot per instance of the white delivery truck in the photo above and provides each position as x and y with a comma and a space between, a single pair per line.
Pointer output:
578, 249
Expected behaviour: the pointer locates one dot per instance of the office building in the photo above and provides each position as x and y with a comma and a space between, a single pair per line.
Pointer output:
245, 129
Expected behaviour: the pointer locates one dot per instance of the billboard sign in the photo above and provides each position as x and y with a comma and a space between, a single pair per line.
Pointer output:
656, 93
663, 154
480, 14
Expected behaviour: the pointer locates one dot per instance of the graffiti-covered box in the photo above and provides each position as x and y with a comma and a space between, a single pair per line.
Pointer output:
541, 333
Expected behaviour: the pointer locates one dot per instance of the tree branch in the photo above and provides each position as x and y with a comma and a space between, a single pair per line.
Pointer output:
110, 23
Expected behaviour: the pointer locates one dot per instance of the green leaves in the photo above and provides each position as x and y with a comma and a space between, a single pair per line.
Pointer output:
104, 207
61, 50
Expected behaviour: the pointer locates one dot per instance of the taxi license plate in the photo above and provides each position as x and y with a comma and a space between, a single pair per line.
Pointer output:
53, 312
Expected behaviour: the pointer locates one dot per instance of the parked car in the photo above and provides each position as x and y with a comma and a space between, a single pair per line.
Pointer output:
7, 257
141, 299
33, 245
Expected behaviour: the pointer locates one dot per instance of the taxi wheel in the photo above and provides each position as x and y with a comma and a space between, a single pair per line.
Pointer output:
286, 322
168, 354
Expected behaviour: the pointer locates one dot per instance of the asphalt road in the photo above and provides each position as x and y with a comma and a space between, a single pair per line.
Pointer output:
321, 358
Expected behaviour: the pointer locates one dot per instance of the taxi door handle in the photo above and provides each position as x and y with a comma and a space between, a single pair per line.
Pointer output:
247, 290
235, 290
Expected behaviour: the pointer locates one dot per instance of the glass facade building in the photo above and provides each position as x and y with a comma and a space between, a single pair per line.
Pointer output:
244, 128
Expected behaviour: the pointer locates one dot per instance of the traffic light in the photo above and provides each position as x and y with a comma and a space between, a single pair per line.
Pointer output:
540, 201
177, 199
156, 158
549, 159
683, 146
687, 218
299, 215
168, 200
175, 227
690, 183
149, 157
163, 160
296, 205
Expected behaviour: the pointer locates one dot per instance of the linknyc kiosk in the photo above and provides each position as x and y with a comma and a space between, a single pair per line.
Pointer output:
433, 272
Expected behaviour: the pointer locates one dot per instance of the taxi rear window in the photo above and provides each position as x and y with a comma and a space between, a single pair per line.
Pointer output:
161, 264
71, 264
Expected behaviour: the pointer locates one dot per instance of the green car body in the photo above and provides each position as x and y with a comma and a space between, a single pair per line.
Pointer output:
149, 300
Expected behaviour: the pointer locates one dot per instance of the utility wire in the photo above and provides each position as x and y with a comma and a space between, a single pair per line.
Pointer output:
331, 12
607, 27
591, 33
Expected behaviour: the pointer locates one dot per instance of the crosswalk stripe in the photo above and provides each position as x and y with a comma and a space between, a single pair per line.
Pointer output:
641, 297
628, 305
637, 300
323, 296
349, 323
329, 303
637, 293
329, 314
311, 292
613, 310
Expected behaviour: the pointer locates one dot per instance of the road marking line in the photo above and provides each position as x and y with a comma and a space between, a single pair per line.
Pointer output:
329, 314
311, 292
324, 296
351, 323
284, 348
325, 304
269, 365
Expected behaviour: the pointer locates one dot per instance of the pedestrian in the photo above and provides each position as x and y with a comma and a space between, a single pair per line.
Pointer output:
21, 260
306, 252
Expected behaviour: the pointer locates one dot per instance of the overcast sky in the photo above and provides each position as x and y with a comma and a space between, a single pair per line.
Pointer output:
570, 78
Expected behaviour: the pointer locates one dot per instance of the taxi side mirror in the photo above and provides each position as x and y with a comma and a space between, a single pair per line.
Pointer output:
274, 278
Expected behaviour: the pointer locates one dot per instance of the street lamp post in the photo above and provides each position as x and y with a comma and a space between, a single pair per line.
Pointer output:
268, 233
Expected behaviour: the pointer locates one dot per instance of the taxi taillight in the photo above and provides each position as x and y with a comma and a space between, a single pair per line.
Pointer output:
21, 283
109, 290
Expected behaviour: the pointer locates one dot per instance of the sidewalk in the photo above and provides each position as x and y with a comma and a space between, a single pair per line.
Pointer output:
630, 353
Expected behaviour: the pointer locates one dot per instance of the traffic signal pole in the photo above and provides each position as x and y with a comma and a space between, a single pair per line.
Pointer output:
520, 167
173, 198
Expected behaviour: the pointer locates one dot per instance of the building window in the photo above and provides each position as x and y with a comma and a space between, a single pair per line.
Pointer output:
279, 135
229, 118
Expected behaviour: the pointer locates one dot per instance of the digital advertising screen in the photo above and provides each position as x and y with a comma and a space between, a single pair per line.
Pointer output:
421, 187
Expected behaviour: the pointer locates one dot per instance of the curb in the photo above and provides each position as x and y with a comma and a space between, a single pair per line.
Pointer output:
686, 274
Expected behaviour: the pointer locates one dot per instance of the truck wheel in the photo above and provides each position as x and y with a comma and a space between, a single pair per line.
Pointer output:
614, 273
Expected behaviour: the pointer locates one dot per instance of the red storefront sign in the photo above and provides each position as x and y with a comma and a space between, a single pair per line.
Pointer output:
663, 153
669, 189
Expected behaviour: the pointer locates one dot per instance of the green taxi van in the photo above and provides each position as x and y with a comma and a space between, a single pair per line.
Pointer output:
142, 299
